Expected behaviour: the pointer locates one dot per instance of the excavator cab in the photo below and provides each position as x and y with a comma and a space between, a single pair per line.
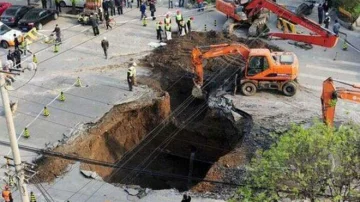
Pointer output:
270, 70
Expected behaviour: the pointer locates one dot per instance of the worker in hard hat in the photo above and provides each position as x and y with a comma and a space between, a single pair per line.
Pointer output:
131, 75
178, 18
6, 194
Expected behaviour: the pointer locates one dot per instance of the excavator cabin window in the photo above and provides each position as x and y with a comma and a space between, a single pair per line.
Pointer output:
257, 64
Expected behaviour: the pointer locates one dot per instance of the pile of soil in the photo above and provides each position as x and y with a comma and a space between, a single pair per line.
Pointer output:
176, 55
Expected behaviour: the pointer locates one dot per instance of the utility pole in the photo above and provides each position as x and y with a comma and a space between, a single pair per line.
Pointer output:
13, 141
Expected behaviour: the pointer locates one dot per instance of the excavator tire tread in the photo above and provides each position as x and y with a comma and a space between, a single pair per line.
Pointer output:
248, 88
289, 88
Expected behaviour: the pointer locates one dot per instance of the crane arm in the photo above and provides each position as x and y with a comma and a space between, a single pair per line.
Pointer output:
323, 36
215, 51
329, 97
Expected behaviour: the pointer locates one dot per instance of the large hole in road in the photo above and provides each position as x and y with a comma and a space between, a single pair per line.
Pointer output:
153, 147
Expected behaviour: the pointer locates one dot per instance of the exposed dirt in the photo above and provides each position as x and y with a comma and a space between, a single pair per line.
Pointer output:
120, 136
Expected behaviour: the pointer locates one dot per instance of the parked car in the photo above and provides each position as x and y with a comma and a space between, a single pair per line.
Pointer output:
78, 3
4, 6
37, 17
13, 14
7, 36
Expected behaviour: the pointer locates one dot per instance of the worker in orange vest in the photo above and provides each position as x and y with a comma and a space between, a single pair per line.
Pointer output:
6, 194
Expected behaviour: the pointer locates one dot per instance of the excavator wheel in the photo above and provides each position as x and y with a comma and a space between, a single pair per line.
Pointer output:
289, 88
248, 89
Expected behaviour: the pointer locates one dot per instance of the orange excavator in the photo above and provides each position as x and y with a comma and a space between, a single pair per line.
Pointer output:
263, 69
252, 12
330, 94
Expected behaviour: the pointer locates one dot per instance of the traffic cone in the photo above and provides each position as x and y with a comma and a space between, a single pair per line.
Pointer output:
46, 112
345, 46
62, 97
78, 82
205, 28
35, 59
144, 21
56, 47
26, 133
214, 23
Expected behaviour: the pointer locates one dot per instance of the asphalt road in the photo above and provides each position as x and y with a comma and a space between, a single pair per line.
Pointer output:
81, 56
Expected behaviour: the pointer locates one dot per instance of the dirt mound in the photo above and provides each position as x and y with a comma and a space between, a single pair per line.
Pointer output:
176, 55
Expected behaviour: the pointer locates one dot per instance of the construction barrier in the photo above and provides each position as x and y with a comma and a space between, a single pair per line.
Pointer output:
285, 26
32, 35
62, 97
78, 82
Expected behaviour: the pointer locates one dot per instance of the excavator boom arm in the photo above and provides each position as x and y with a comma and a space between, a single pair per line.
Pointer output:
329, 97
215, 51
323, 36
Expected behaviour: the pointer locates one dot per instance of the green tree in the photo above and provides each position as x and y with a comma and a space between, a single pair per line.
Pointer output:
313, 163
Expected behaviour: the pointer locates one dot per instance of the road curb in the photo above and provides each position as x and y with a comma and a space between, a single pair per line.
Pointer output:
68, 16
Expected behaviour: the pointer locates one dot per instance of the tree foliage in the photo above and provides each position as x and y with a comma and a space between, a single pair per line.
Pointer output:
314, 163
353, 6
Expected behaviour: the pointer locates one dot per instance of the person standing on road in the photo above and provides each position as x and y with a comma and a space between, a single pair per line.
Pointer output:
105, 6
26, 46
326, 6
158, 31
320, 14
188, 25
181, 3
327, 20
178, 18
107, 22
143, 10
112, 7
95, 24
168, 31
336, 27
131, 76
105, 46
200, 5
16, 42
43, 3
152, 9
57, 33
138, 3
17, 57
171, 4
57, 5
119, 6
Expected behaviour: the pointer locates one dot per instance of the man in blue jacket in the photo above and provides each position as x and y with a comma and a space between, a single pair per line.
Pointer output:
143, 10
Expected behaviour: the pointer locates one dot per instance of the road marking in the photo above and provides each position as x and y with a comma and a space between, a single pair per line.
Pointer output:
340, 62
311, 76
354, 73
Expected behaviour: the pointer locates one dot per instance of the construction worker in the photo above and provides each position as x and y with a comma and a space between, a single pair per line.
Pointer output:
17, 57
6, 194
131, 76
168, 31
327, 20
159, 30
188, 24
336, 27
182, 30
57, 33
105, 46
25, 45
32, 197
178, 18
167, 20
57, 5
